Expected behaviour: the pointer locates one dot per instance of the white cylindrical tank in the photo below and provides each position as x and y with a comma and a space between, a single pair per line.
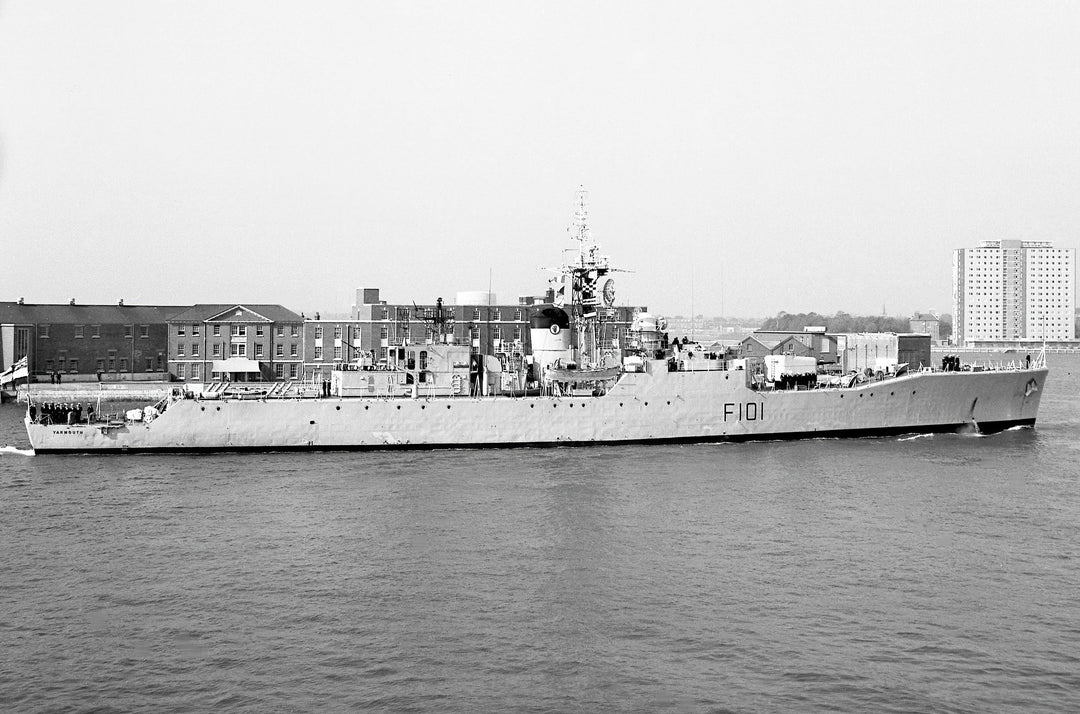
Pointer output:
476, 297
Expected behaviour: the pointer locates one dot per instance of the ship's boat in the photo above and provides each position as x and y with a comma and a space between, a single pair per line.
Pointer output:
578, 386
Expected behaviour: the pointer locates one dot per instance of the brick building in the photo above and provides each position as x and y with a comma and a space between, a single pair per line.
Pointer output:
926, 324
81, 342
379, 329
235, 343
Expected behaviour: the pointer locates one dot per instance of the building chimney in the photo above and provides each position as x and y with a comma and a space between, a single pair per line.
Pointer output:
22, 301
120, 302
71, 302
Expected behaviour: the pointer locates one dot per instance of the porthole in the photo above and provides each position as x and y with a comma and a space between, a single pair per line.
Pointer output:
447, 406
423, 407
219, 408
311, 422
532, 406
337, 408
399, 407
202, 408
366, 407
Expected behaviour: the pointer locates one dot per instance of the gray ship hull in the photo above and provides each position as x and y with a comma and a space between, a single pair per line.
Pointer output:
655, 406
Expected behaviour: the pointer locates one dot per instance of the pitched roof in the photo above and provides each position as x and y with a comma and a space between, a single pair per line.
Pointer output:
269, 313
30, 314
767, 344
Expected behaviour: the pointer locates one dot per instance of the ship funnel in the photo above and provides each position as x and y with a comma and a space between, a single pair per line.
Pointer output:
549, 329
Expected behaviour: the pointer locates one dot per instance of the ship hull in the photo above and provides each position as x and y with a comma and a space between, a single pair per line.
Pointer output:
647, 407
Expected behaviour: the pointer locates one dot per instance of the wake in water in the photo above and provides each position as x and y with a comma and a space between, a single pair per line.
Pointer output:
16, 450
915, 436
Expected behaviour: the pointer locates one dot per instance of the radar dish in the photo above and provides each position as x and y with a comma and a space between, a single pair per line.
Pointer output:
609, 292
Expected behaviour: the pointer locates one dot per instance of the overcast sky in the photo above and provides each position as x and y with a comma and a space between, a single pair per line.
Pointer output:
744, 157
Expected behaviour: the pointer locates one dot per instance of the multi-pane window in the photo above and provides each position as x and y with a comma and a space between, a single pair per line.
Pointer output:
318, 332
292, 350
78, 331
337, 332
279, 350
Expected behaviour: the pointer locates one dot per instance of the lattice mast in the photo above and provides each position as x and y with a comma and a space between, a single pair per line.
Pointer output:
591, 290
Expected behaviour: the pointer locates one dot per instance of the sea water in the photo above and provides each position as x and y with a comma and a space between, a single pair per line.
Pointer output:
937, 573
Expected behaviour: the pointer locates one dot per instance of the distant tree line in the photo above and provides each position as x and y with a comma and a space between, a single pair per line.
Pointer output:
843, 322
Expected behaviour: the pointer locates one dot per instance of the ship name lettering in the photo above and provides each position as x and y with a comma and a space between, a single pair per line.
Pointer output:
744, 411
